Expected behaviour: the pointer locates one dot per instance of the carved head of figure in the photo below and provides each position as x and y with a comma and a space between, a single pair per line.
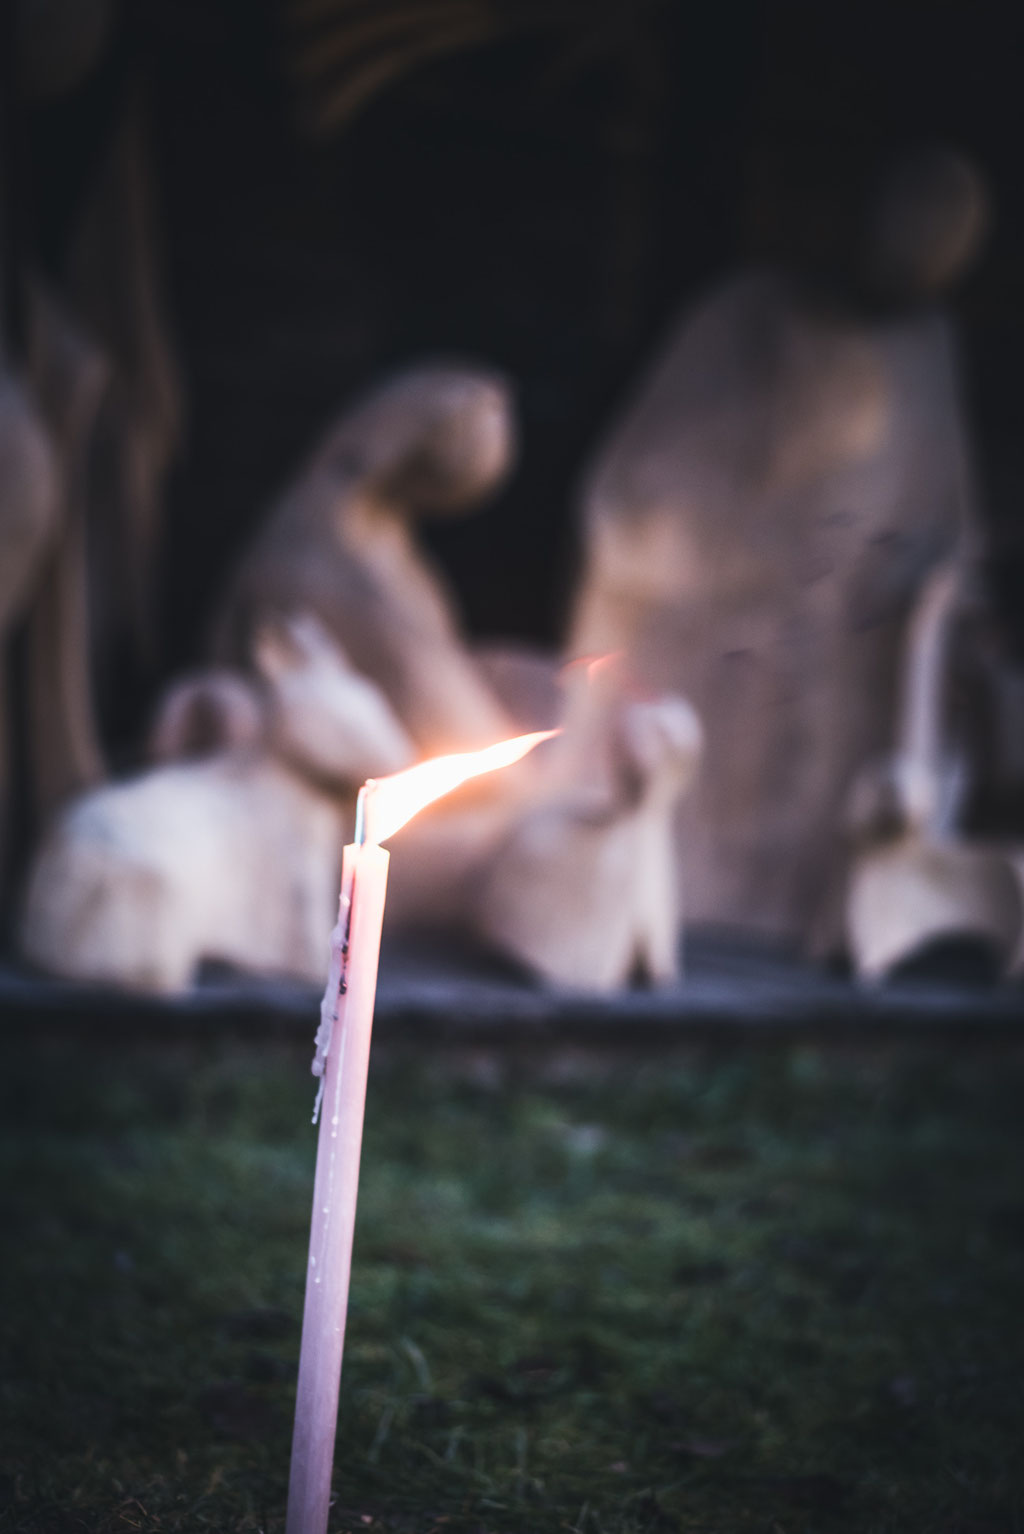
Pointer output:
665, 741
927, 223
890, 799
324, 717
308, 707
436, 438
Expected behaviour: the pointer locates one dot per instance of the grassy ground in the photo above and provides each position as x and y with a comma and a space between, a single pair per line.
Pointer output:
772, 1292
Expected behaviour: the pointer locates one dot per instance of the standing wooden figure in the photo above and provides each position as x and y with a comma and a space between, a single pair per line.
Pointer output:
760, 525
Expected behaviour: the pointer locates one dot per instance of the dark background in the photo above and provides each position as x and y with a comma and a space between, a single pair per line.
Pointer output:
544, 200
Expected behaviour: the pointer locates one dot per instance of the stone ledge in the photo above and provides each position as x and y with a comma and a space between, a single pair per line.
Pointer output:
430, 990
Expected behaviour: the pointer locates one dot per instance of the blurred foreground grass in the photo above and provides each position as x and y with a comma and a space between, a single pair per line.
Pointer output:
774, 1291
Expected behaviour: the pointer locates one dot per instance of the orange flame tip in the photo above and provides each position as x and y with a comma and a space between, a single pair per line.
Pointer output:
387, 804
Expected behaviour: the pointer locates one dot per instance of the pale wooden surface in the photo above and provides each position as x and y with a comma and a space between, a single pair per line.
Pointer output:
756, 532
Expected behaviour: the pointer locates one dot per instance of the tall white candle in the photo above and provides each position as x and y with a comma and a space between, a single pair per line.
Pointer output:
342, 1059
364, 884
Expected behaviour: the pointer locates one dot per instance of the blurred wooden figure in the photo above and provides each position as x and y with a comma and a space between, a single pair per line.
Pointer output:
760, 525
233, 854
570, 869
583, 888
914, 879
48, 408
341, 543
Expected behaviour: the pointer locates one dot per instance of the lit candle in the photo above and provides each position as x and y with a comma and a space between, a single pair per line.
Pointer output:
341, 1061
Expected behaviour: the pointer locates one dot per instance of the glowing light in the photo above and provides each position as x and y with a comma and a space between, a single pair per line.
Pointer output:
591, 666
598, 664
387, 804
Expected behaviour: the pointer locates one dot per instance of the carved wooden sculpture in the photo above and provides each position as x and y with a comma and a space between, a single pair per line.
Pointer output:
69, 378
234, 855
569, 867
29, 512
913, 878
341, 543
582, 888
114, 285
759, 526
87, 420
29, 494
47, 411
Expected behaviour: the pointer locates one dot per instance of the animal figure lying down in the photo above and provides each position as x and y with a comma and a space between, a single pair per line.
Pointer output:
565, 863
233, 856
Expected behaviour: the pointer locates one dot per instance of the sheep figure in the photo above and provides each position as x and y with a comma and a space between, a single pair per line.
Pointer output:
233, 855
583, 888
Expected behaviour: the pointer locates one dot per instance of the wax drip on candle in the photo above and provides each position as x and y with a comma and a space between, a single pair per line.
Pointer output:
337, 980
334, 990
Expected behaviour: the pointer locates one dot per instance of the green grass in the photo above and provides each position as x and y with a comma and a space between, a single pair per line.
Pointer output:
776, 1291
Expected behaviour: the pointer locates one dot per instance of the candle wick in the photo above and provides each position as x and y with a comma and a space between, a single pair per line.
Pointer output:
362, 802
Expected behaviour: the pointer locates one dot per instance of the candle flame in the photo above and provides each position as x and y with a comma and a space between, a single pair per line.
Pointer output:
386, 804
